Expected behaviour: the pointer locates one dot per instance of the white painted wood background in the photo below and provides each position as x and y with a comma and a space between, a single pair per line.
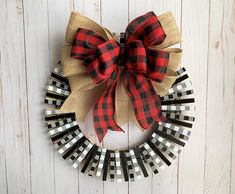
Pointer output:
32, 33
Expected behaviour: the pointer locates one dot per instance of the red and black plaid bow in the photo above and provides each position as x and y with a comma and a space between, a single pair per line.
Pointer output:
103, 58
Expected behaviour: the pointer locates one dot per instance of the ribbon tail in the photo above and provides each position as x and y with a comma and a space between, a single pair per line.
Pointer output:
103, 113
145, 102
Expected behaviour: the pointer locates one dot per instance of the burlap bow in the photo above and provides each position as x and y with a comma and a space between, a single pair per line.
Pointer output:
85, 92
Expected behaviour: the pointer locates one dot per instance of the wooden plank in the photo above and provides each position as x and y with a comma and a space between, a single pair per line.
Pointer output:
14, 99
91, 9
115, 18
3, 172
161, 7
58, 17
195, 33
221, 98
166, 180
230, 50
232, 184
38, 69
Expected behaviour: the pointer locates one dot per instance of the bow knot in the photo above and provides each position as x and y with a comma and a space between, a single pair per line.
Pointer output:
102, 59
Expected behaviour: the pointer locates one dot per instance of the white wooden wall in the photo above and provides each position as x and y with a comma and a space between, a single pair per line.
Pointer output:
31, 35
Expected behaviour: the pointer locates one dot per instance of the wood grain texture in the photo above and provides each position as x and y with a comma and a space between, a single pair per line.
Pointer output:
14, 98
37, 61
58, 17
3, 169
195, 21
220, 99
31, 35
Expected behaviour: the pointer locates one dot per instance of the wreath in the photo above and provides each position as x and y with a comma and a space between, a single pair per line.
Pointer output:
109, 71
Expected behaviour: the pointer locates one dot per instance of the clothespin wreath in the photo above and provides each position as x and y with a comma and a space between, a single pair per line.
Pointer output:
136, 77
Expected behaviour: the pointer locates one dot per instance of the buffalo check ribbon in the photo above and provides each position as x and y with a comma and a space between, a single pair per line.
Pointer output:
105, 59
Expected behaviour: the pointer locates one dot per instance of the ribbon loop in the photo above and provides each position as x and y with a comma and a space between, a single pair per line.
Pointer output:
85, 43
99, 56
108, 54
146, 28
